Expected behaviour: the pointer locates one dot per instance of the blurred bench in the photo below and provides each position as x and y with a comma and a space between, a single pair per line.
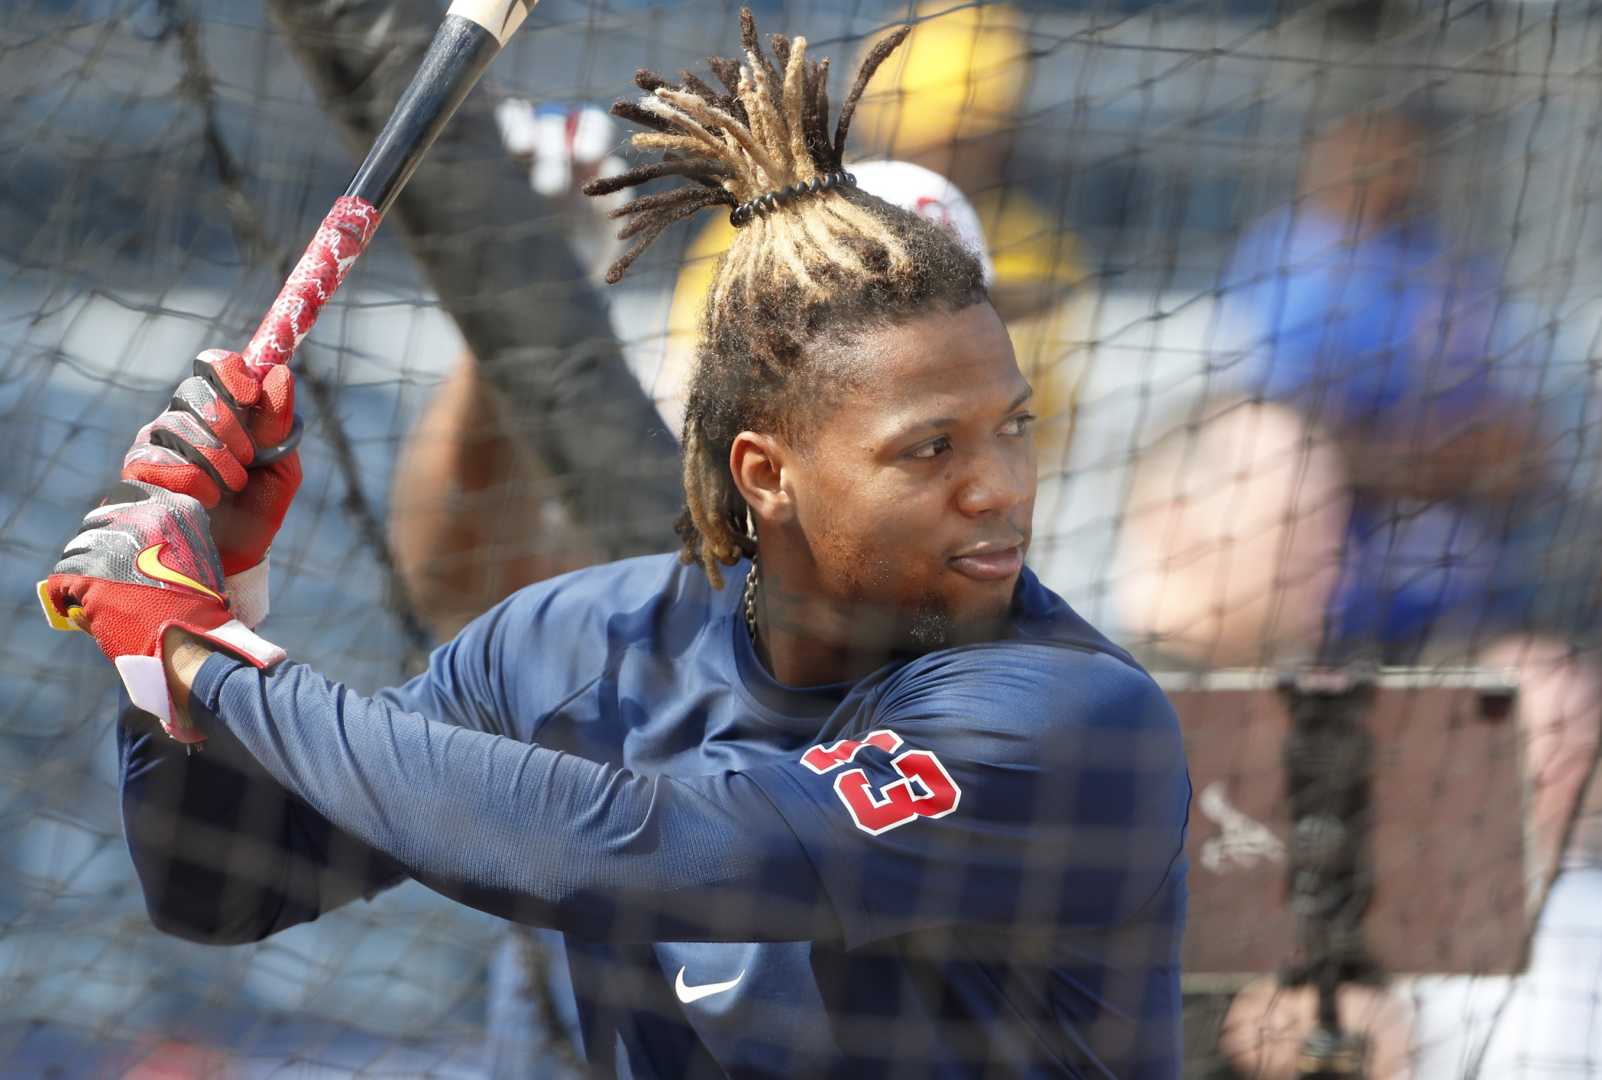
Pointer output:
1452, 889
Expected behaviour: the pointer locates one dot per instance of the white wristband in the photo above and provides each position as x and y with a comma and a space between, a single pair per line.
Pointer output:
146, 676
247, 594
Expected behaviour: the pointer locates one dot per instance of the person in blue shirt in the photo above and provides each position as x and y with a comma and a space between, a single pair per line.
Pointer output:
1384, 451
838, 789
1368, 324
1382, 355
1383, 482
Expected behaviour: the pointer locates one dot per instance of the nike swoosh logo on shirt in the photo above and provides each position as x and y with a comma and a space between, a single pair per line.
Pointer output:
149, 564
691, 994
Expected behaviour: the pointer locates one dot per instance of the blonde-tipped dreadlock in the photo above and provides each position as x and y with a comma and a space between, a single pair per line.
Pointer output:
821, 262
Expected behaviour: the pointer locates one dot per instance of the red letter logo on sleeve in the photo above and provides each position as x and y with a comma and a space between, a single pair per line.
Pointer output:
925, 789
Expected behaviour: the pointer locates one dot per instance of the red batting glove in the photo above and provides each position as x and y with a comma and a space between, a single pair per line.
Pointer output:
229, 442
142, 564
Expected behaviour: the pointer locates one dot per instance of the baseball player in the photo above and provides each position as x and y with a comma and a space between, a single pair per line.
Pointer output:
838, 788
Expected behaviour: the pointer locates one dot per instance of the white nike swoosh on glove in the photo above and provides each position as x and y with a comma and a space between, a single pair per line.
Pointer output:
691, 994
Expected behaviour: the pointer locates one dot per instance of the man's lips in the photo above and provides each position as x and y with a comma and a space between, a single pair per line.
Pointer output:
989, 563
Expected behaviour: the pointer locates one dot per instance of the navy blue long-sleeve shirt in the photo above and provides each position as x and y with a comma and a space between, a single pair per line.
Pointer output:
970, 859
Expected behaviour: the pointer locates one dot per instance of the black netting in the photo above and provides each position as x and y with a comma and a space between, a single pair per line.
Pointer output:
1309, 297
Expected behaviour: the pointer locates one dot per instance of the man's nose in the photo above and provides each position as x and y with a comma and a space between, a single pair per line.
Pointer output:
998, 482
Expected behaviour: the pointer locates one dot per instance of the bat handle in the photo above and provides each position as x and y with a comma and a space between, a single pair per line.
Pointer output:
340, 240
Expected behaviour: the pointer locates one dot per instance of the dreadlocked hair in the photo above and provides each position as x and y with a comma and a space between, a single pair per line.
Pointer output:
797, 282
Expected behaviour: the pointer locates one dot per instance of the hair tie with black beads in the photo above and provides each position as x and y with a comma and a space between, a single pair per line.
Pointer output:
766, 204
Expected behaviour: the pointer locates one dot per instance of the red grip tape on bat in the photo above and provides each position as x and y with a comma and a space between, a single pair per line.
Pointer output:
340, 240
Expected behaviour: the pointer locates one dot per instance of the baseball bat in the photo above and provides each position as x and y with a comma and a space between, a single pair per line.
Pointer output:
471, 36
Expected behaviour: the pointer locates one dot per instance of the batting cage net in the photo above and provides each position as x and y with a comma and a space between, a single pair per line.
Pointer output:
1309, 295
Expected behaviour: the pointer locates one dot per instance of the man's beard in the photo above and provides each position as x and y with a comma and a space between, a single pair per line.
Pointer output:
913, 623
931, 625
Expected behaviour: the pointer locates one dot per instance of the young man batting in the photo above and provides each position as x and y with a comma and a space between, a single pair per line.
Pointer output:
839, 789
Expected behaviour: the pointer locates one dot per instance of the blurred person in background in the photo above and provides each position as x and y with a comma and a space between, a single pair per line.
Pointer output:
474, 513
1382, 486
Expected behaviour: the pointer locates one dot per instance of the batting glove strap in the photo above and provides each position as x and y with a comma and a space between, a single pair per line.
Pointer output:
145, 677
247, 594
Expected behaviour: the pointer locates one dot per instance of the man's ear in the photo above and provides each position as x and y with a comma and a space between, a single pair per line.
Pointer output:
758, 464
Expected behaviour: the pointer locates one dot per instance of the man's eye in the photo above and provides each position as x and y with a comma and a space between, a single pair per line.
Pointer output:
1018, 424
932, 449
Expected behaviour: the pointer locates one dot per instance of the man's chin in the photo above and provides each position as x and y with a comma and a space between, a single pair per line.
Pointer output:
945, 625
949, 610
